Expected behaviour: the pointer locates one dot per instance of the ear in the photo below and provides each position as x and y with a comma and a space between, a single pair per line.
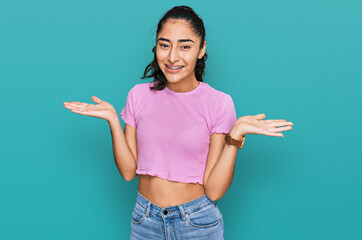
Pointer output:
202, 51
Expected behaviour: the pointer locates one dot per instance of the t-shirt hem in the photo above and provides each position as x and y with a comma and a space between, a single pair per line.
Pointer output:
127, 121
174, 179
219, 131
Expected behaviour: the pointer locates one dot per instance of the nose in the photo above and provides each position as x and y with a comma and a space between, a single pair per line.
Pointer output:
173, 55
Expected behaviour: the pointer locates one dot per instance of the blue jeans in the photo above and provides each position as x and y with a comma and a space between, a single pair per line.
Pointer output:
197, 219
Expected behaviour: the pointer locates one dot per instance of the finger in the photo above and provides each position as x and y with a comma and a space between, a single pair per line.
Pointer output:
260, 116
268, 133
280, 129
76, 103
71, 106
82, 112
279, 123
274, 120
96, 99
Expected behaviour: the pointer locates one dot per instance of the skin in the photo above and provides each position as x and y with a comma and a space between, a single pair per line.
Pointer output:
170, 51
221, 158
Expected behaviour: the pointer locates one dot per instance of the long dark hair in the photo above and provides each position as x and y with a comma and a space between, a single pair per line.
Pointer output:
197, 25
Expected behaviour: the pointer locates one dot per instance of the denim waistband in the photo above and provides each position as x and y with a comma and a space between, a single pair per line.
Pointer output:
176, 210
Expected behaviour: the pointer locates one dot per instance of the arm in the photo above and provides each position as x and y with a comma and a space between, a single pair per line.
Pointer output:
124, 148
124, 144
220, 166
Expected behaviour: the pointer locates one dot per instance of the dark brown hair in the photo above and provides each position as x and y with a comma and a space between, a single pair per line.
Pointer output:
197, 25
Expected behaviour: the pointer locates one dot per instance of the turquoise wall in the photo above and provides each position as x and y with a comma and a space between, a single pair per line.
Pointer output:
296, 60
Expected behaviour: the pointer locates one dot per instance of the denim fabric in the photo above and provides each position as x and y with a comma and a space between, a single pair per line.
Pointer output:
197, 219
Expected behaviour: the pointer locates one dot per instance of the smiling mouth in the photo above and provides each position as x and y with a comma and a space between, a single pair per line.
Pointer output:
173, 67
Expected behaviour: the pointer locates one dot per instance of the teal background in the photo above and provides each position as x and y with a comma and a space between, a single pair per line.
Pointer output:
295, 60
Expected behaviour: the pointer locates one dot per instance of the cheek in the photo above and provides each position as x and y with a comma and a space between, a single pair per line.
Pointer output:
190, 57
159, 61
191, 60
160, 56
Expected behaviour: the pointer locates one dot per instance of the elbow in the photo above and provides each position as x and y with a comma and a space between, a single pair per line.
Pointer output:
213, 196
129, 177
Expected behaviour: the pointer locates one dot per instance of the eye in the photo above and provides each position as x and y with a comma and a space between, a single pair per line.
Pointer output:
163, 45
185, 47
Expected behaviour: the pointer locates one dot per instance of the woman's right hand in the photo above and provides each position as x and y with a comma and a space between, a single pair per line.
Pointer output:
102, 109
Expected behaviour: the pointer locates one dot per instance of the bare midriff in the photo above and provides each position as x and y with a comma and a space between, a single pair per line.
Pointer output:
165, 193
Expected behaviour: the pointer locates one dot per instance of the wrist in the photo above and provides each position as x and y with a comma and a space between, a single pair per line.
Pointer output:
238, 143
236, 134
113, 118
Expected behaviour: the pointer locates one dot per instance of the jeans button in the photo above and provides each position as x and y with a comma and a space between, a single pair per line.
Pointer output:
165, 212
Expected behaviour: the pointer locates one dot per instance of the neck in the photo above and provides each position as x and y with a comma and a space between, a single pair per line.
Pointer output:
183, 85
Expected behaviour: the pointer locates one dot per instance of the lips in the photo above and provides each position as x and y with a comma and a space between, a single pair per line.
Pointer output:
173, 68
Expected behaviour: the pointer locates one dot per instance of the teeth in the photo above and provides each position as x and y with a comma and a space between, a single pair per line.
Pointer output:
174, 67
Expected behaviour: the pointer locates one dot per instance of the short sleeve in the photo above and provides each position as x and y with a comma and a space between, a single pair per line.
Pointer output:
225, 116
128, 111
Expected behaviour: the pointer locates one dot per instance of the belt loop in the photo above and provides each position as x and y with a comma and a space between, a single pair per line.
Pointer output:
148, 209
182, 212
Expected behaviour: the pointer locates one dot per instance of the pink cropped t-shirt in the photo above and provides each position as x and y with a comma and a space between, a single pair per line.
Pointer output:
174, 128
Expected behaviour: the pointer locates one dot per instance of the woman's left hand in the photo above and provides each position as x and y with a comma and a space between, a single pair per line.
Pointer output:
254, 124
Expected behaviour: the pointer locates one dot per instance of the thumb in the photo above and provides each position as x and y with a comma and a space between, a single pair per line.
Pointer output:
96, 100
260, 116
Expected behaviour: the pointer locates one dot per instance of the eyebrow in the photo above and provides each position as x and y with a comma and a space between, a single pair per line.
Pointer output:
180, 40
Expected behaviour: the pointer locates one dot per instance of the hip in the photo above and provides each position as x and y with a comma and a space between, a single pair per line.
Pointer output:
199, 218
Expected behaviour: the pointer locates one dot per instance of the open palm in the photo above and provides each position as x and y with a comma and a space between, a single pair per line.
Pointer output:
254, 124
102, 109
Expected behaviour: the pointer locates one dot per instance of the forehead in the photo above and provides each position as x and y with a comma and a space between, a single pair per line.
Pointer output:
175, 29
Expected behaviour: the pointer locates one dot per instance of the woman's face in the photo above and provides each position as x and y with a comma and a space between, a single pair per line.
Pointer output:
178, 46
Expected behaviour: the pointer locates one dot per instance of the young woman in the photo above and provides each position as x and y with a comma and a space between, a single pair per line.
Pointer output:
181, 136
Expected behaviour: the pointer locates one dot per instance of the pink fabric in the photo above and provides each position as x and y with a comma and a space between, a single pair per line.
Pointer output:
173, 128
